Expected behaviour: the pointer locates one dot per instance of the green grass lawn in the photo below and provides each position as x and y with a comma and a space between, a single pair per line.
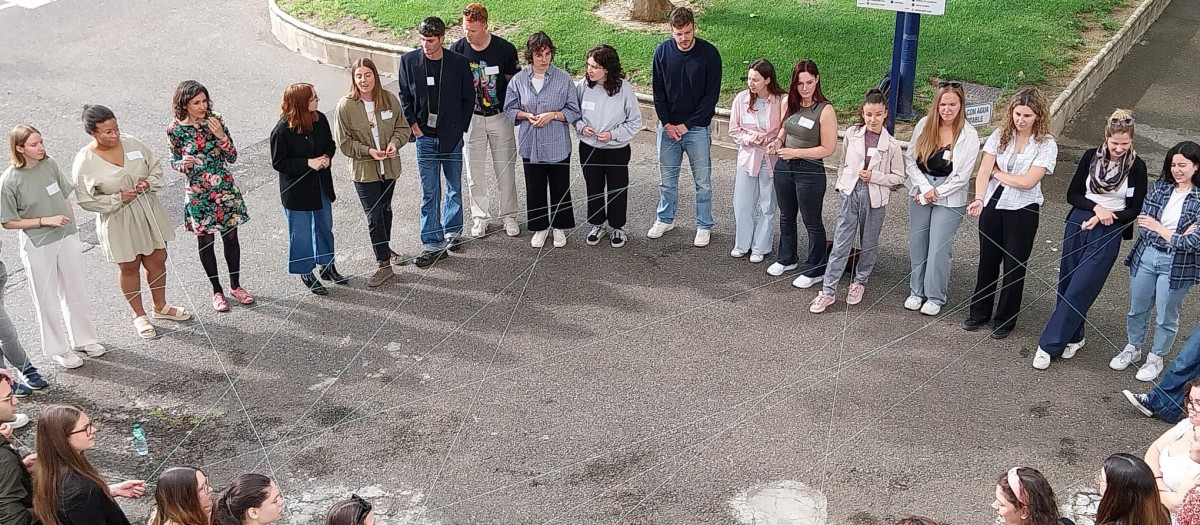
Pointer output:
995, 42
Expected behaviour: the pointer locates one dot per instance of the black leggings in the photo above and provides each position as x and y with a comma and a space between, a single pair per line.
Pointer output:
233, 258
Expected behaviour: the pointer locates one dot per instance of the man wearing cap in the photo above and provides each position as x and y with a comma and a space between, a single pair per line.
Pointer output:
437, 95
16, 487
493, 61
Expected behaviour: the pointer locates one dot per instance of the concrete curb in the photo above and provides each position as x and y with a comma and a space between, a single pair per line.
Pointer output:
1084, 85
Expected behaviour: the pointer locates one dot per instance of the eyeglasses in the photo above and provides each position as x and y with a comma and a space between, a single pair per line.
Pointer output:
90, 429
7, 399
950, 84
363, 509
1121, 121
1193, 403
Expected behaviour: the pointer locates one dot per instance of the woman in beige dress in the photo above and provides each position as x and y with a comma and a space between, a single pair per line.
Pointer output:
118, 178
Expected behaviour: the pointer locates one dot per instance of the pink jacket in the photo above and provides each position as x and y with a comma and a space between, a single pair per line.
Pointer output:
744, 128
887, 165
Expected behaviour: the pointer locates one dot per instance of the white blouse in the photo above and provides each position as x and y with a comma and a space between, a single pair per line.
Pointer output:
1041, 154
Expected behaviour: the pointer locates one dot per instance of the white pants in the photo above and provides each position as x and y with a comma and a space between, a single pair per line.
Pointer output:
495, 134
56, 277
754, 198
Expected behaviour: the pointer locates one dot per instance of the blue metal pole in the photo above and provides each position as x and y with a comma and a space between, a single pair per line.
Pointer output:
908, 66
894, 75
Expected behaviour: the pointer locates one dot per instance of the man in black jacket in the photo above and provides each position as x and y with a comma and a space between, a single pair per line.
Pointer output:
16, 487
438, 97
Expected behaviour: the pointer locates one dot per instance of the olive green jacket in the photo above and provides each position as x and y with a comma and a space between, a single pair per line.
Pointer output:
355, 141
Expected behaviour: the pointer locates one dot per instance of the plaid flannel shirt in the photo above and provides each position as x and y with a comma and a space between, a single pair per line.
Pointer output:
1185, 249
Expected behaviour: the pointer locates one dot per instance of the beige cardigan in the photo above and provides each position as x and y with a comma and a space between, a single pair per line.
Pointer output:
887, 165
355, 141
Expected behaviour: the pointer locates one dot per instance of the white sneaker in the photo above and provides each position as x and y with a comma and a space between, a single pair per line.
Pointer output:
539, 238
560, 238
659, 228
776, 269
68, 360
913, 302
931, 308
756, 257
1151, 368
1041, 360
93, 349
19, 422
511, 227
737, 254
479, 227
1071, 348
1127, 356
804, 281
702, 237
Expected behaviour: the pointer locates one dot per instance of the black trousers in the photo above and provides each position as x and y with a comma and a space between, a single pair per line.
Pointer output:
555, 211
376, 199
606, 169
800, 190
1005, 239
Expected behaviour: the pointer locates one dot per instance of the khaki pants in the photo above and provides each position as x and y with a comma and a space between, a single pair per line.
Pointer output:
494, 134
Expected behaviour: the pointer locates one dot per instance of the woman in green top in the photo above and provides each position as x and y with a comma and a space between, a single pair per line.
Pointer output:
33, 199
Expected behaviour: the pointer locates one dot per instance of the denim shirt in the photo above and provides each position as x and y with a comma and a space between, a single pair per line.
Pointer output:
552, 142
1185, 249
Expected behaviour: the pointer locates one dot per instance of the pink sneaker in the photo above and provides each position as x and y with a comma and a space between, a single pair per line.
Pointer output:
219, 303
244, 297
821, 302
855, 294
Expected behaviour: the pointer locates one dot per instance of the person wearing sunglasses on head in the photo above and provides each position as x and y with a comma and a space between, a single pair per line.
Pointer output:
68, 490
16, 485
939, 164
351, 511
1106, 196
182, 496
250, 499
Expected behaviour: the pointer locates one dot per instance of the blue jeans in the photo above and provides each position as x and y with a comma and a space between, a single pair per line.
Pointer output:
310, 237
1149, 287
439, 220
1087, 258
1167, 398
697, 143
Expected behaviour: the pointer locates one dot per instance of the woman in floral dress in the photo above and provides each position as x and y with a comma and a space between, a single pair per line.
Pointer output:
200, 149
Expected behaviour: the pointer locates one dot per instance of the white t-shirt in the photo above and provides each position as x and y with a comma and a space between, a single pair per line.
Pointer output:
370, 106
1173, 210
1114, 201
538, 83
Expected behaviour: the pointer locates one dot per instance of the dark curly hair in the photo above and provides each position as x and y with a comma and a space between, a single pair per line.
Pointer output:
187, 90
537, 43
605, 56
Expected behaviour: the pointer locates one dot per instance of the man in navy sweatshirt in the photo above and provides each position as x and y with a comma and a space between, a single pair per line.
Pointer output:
687, 81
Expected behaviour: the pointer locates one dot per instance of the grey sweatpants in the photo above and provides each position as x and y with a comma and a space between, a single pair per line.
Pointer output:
930, 239
10, 345
855, 218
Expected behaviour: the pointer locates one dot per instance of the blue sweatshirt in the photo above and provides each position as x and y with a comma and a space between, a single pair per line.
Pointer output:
686, 84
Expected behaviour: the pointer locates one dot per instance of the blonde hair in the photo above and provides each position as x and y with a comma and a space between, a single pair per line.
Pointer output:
927, 142
1034, 99
17, 137
1121, 121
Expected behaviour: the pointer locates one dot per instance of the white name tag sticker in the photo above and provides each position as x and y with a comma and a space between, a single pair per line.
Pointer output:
946, 155
871, 152
429, 81
1128, 192
386, 114
806, 123
749, 119
491, 70
133, 155
52, 189
588, 105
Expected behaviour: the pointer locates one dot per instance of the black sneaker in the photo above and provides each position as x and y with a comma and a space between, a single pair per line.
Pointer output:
313, 284
329, 273
596, 233
454, 244
972, 325
617, 237
428, 257
1002, 332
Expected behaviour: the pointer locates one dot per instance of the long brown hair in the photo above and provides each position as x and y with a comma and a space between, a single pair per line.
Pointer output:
927, 142
1034, 99
765, 68
17, 137
794, 98
1131, 497
177, 499
1039, 496
56, 459
295, 107
382, 101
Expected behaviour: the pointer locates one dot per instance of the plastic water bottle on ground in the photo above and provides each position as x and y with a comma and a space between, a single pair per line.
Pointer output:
139, 440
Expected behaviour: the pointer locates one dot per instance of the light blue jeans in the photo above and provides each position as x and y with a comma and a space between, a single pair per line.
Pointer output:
439, 220
1149, 287
697, 143
754, 198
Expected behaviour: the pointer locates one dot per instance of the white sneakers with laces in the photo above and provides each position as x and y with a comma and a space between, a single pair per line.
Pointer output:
1041, 360
931, 308
479, 227
1071, 348
913, 302
659, 228
702, 238
560, 238
1151, 368
539, 238
1125, 357
511, 228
